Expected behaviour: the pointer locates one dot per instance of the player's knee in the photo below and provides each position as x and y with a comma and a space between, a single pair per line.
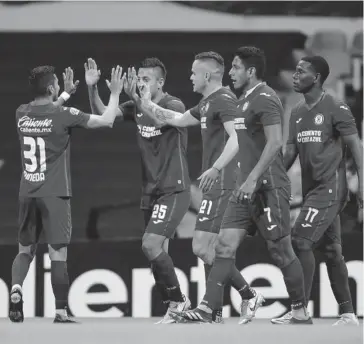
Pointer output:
151, 248
58, 252
28, 250
333, 253
301, 244
225, 247
281, 251
203, 251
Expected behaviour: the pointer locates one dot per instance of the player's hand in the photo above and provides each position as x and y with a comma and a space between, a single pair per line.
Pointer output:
117, 80
69, 86
92, 74
146, 96
246, 191
130, 84
208, 179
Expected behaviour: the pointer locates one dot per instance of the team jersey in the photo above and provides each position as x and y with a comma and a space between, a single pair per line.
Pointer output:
213, 111
163, 150
317, 134
44, 132
260, 108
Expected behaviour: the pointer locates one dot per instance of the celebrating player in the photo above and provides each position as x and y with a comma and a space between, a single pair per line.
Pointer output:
215, 113
321, 127
262, 195
166, 183
45, 187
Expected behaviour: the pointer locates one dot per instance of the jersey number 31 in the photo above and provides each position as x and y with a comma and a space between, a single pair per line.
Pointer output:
35, 143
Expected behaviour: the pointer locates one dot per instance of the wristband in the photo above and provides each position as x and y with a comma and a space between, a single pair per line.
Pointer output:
65, 96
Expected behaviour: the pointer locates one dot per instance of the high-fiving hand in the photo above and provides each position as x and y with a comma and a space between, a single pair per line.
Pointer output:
130, 84
92, 74
69, 86
117, 80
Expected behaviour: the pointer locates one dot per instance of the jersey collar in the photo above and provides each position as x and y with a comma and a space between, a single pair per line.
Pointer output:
251, 90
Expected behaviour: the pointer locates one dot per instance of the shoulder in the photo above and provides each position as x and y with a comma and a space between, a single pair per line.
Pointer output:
335, 103
267, 93
172, 103
70, 110
22, 108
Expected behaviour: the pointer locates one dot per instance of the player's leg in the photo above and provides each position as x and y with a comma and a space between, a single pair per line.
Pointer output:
56, 214
166, 216
272, 214
30, 227
338, 273
235, 219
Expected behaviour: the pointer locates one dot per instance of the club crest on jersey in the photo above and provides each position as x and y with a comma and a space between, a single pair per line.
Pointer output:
204, 108
319, 119
245, 106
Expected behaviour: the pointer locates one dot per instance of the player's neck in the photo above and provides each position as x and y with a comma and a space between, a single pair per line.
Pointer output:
210, 89
156, 99
313, 96
41, 101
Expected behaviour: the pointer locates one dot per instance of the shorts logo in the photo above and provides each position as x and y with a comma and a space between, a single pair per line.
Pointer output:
271, 227
245, 106
319, 119
204, 109
203, 219
157, 221
305, 225
139, 114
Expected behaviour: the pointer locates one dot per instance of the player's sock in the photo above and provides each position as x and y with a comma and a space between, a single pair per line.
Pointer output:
219, 275
164, 265
160, 285
294, 280
20, 268
60, 285
208, 268
241, 285
338, 275
308, 264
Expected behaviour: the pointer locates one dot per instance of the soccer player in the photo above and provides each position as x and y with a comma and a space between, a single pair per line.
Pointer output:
321, 128
45, 189
215, 114
261, 199
166, 183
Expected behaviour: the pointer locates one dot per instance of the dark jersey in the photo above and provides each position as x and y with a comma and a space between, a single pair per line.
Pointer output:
44, 134
213, 111
316, 133
260, 108
163, 150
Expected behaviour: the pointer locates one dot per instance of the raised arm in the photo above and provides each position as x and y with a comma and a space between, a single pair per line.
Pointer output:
70, 87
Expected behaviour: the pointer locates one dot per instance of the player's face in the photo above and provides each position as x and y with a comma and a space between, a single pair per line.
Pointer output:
304, 78
238, 74
198, 77
56, 89
150, 77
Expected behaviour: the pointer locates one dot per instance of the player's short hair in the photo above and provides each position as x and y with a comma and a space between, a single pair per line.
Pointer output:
40, 78
253, 57
320, 66
154, 62
212, 55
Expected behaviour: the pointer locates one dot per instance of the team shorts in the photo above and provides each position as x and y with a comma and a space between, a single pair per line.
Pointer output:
166, 212
320, 222
51, 214
268, 213
212, 209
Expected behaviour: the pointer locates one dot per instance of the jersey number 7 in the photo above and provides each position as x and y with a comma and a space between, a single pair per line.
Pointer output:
35, 144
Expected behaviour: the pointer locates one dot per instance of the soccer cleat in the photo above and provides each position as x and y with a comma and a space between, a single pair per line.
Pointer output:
289, 319
64, 318
249, 307
16, 306
175, 307
347, 319
286, 317
194, 316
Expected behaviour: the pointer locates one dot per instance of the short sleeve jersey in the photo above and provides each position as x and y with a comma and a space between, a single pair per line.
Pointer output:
213, 111
262, 107
44, 133
317, 134
163, 150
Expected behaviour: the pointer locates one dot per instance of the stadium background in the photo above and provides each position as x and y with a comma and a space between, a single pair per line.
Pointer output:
109, 274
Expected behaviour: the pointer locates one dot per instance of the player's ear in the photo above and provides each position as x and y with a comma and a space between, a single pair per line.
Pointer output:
50, 89
207, 76
251, 71
161, 82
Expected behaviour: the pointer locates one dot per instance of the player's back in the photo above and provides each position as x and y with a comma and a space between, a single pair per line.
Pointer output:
44, 135
316, 133
258, 108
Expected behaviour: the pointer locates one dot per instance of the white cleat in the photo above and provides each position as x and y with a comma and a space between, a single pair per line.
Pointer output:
347, 319
283, 319
175, 307
249, 307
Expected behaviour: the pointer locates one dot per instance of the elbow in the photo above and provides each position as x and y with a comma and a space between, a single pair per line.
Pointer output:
276, 145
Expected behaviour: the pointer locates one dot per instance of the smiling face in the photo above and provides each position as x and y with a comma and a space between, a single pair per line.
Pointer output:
150, 77
239, 74
305, 77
